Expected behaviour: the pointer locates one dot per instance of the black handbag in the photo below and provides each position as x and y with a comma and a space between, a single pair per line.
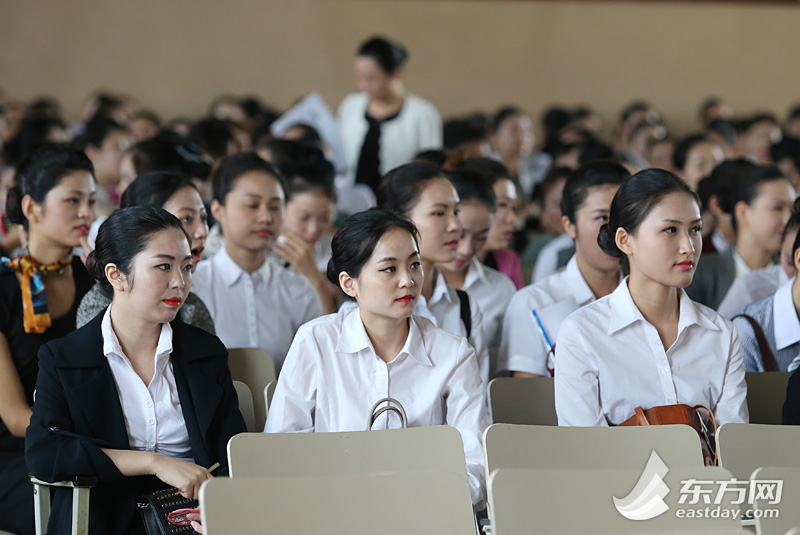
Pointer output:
156, 506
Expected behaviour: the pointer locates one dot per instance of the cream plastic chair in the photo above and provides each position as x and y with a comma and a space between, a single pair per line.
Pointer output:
389, 503
254, 367
534, 446
269, 391
766, 392
246, 405
522, 400
745, 447
784, 516
581, 501
80, 503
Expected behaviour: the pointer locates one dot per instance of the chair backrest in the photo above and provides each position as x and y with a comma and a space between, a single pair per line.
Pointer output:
245, 404
766, 392
745, 447
269, 391
517, 400
254, 367
581, 501
535, 446
777, 515
436, 448
390, 504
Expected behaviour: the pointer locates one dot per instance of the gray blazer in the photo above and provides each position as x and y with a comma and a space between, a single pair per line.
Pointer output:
714, 276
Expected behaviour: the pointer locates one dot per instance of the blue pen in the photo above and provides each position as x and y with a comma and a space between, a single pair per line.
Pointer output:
541, 330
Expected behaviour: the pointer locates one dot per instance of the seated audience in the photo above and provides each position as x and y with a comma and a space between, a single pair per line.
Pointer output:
675, 350
178, 196
133, 398
589, 275
104, 142
40, 290
422, 193
555, 254
761, 205
341, 364
489, 288
695, 157
254, 303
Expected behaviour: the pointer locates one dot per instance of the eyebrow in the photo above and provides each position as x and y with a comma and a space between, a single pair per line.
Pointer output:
393, 259
79, 192
443, 204
170, 257
600, 210
698, 220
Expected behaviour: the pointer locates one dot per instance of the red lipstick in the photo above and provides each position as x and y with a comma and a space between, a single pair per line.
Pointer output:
83, 230
174, 301
264, 233
686, 265
405, 299
452, 244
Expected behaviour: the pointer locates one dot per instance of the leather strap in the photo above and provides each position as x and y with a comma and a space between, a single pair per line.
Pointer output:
466, 313
767, 357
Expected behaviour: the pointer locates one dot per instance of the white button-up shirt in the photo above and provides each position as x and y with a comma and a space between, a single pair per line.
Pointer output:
333, 376
750, 288
444, 310
522, 346
610, 360
153, 415
492, 291
260, 309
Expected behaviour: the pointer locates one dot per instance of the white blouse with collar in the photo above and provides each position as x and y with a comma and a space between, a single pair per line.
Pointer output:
610, 360
333, 376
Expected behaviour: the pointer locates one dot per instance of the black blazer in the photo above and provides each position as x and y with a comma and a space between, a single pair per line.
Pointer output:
77, 412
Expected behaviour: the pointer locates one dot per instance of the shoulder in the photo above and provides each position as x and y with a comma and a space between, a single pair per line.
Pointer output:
499, 281
760, 309
420, 105
352, 102
438, 340
296, 284
591, 319
327, 327
194, 342
548, 291
81, 346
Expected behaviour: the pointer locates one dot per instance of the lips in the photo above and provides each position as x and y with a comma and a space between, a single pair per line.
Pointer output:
173, 301
83, 230
405, 299
452, 244
197, 252
509, 234
686, 265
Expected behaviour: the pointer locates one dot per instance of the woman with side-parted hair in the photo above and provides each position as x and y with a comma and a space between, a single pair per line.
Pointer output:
40, 290
340, 365
384, 125
675, 350
422, 193
133, 398
178, 195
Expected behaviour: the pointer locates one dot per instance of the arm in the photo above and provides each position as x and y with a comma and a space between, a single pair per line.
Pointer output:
179, 474
577, 380
294, 403
480, 343
522, 349
749, 344
300, 254
429, 128
14, 409
732, 403
466, 411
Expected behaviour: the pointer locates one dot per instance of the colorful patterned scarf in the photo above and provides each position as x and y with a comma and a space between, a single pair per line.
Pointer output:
36, 319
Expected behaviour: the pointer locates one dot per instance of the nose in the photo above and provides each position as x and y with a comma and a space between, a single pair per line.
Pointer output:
178, 281
86, 210
201, 231
687, 243
406, 280
464, 248
453, 223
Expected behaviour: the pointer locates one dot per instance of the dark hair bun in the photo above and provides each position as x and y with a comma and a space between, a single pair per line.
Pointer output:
608, 243
14, 205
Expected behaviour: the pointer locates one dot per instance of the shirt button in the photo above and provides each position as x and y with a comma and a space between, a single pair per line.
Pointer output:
152, 442
664, 371
149, 403
152, 421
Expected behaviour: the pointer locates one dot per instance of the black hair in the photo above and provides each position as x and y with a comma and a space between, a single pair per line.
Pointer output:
794, 224
32, 131
747, 185
401, 187
706, 106
633, 107
743, 125
491, 169
303, 166
502, 114
787, 148
154, 189
724, 128
722, 183
464, 130
684, 147
147, 115
431, 156
97, 130
309, 134
170, 152
124, 235
593, 149
213, 136
41, 171
232, 167
591, 175
388, 55
634, 201
554, 176
473, 186
354, 242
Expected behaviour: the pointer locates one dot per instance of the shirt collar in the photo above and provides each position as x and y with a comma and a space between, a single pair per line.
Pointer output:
787, 325
578, 285
111, 345
624, 311
442, 291
354, 338
475, 273
231, 272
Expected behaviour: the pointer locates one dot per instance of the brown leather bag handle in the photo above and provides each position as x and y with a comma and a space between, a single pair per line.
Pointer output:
767, 357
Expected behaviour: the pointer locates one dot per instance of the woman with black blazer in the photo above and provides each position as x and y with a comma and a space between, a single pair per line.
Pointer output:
135, 398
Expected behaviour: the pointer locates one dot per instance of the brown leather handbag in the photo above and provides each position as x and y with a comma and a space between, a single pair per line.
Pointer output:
681, 414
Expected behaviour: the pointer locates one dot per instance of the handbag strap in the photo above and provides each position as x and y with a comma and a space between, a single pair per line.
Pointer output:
641, 418
375, 412
767, 357
713, 424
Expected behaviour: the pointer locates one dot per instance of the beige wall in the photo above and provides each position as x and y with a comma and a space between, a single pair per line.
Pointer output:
176, 55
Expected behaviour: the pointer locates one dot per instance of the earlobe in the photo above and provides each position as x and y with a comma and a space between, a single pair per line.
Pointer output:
740, 212
217, 210
622, 239
348, 284
29, 209
569, 227
115, 277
